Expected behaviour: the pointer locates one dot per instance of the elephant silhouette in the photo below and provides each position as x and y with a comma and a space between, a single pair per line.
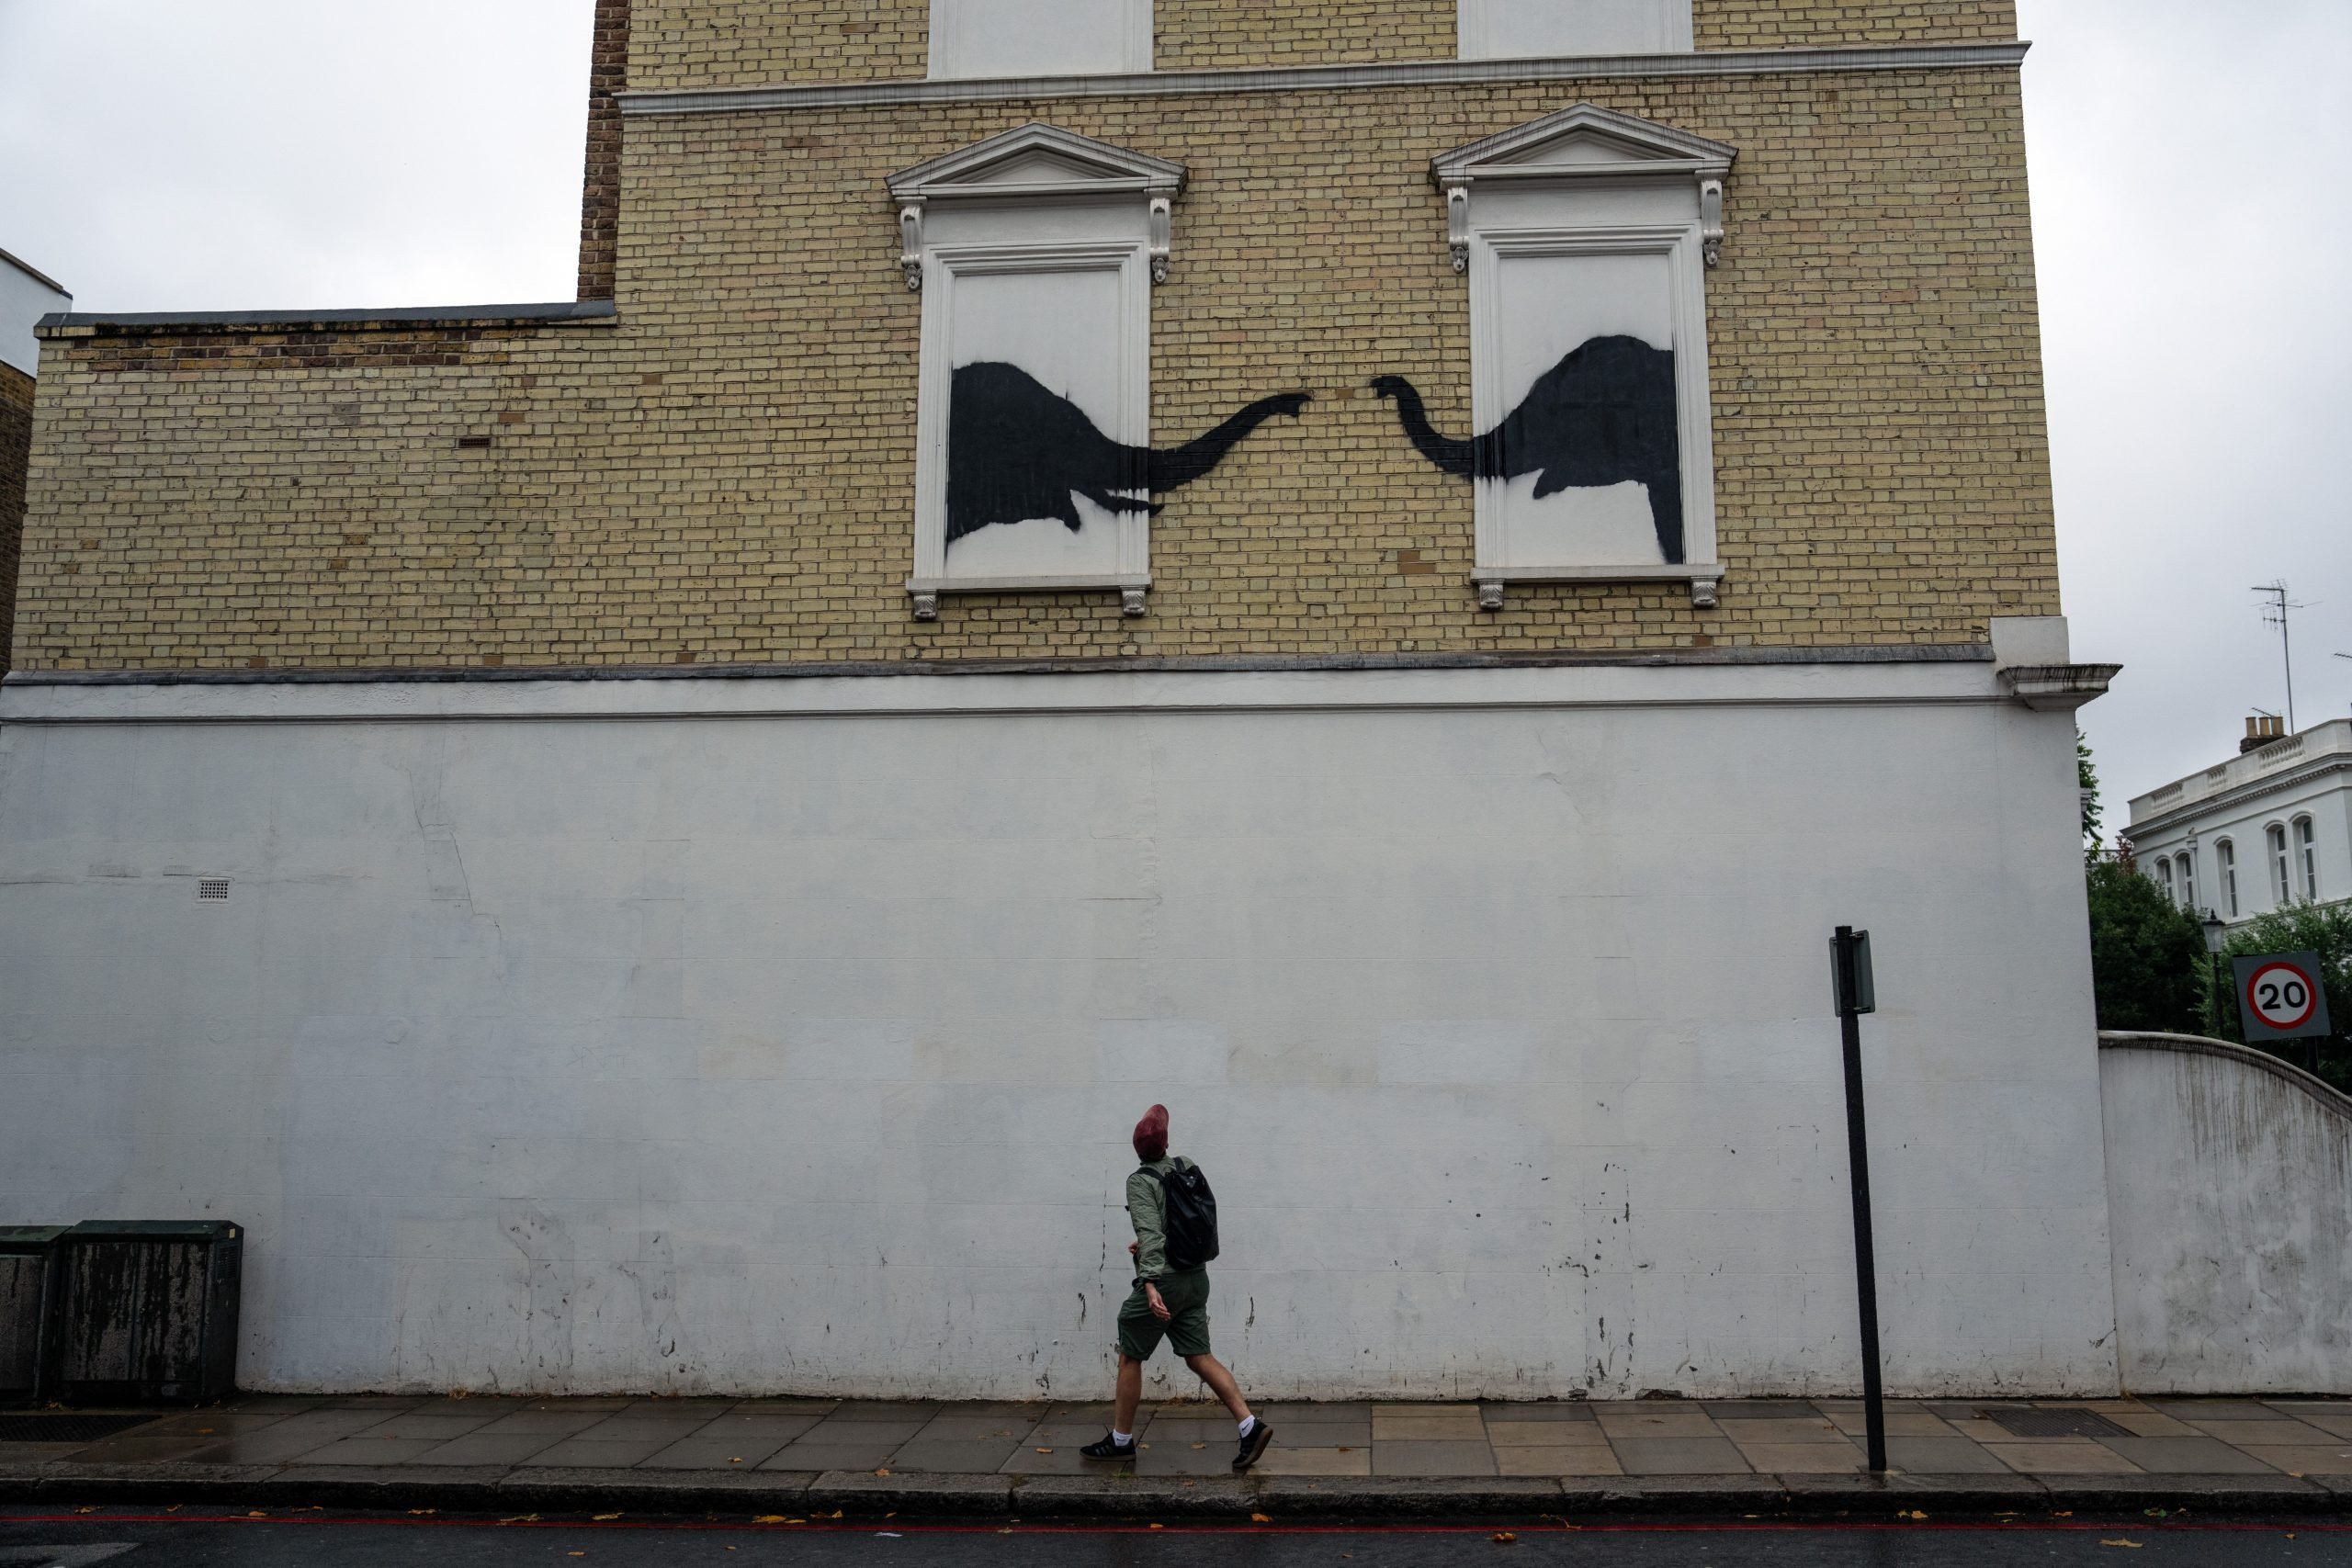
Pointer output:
1017, 451
1606, 413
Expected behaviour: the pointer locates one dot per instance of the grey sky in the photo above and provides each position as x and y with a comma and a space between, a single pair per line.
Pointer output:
166, 154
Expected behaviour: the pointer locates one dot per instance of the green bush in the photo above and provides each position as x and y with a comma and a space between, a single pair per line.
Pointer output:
2147, 955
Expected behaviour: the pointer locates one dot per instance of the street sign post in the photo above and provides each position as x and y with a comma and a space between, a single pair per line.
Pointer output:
1857, 993
2282, 995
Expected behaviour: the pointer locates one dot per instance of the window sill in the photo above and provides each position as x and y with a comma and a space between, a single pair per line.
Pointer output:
1704, 576
925, 590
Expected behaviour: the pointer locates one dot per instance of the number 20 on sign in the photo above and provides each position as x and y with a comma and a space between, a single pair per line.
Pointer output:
2281, 996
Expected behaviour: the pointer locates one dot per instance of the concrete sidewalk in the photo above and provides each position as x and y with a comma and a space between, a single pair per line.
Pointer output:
782, 1455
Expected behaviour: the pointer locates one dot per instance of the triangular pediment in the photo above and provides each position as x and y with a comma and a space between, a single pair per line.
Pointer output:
1585, 141
1033, 159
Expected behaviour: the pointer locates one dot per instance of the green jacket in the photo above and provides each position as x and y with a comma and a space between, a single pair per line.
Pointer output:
1147, 1207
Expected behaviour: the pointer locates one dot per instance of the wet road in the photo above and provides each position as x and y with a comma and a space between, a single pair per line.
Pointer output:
137, 1539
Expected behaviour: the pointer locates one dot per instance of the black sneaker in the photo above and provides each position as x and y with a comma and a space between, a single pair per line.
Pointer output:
1253, 1446
1108, 1449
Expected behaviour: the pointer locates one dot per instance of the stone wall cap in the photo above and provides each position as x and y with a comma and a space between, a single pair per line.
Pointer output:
190, 324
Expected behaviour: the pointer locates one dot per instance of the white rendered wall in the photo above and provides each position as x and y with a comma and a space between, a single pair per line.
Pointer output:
24, 300
797, 1049
2230, 1175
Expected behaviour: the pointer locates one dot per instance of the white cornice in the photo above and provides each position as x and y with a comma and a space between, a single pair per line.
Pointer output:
2174, 818
1325, 78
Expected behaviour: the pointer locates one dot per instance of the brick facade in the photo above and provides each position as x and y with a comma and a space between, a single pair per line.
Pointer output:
734, 43
16, 450
725, 473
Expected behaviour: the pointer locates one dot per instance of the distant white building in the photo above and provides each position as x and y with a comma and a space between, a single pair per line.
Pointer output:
25, 297
2271, 826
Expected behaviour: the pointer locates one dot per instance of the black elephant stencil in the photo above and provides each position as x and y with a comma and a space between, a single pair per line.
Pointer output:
1605, 414
1017, 451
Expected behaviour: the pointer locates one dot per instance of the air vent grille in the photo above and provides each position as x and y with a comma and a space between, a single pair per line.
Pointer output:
212, 889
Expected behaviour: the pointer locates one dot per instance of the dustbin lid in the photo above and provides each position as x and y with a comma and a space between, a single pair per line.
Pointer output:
155, 1230
29, 1238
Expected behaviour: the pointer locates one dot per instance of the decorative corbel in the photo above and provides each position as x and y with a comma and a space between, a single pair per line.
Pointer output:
1457, 225
1711, 220
1491, 593
910, 251
1162, 227
1702, 592
1131, 601
926, 605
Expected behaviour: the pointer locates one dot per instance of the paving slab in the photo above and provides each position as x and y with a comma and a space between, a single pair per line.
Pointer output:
1133, 1496
1060, 1458
1656, 1423
806, 1454
2188, 1456
1282, 1460
1840, 1458
2308, 1460
1943, 1456
1582, 1459
1680, 1456
984, 1456
490, 1449
2064, 1456
1431, 1457
862, 1491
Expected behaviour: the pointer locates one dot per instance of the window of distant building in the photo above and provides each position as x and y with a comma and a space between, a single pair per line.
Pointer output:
1039, 38
2307, 850
1587, 236
1490, 29
2186, 863
2225, 863
2283, 884
2163, 876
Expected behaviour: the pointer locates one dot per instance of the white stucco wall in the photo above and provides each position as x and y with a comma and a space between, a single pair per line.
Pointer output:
550, 1039
2231, 1183
25, 297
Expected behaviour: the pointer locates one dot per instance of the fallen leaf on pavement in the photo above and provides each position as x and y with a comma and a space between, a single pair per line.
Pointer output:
1044, 1450
1198, 1446
770, 1520
1912, 1514
258, 1514
602, 1517
425, 1510
1504, 1538
2130, 1543
1261, 1519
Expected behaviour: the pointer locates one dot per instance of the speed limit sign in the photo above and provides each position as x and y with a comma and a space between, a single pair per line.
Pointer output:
2280, 997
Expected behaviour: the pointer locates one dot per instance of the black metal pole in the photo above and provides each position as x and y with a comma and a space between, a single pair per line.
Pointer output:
1858, 1154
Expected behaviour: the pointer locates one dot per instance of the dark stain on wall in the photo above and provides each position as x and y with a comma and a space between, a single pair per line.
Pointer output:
1605, 414
1017, 451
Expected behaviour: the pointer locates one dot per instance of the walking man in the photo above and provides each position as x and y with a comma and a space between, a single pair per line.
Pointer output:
1171, 1293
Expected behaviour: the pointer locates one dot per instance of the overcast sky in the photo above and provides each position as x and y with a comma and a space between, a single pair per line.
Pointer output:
2192, 232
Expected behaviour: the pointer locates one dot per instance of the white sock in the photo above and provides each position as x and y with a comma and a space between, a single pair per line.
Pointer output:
1122, 1438
1248, 1426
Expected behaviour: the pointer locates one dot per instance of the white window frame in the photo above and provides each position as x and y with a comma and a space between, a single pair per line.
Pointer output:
946, 46
2163, 877
1637, 187
2307, 851
1678, 244
2282, 878
2225, 866
2186, 860
1473, 32
943, 265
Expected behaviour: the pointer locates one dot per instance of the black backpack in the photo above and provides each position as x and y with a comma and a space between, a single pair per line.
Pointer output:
1190, 1220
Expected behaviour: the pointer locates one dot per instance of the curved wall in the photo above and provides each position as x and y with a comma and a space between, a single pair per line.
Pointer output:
2229, 1178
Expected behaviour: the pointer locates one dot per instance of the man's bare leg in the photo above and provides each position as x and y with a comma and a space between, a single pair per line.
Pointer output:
1211, 1371
1130, 1398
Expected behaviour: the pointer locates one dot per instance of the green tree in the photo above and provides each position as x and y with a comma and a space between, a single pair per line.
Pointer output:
2324, 929
2147, 954
2087, 780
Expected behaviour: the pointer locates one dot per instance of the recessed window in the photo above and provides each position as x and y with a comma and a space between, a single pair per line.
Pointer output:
1039, 38
2307, 851
2186, 864
1036, 252
2225, 861
1585, 236
2163, 876
1491, 30
2282, 882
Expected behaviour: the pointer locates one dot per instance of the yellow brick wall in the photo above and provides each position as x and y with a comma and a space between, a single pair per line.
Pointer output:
712, 43
15, 448
729, 474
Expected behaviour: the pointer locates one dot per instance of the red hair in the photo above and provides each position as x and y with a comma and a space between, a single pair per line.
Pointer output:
1151, 1135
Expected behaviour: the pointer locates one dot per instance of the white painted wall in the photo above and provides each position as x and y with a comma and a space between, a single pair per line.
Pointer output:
25, 297
2230, 1175
794, 1047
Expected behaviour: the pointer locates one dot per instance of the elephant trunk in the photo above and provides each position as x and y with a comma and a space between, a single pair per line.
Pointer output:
1174, 469
1456, 458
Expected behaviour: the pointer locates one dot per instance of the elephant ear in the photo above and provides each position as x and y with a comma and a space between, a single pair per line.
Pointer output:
1552, 483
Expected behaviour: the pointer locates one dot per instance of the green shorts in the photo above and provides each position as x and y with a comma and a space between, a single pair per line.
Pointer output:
1187, 1328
